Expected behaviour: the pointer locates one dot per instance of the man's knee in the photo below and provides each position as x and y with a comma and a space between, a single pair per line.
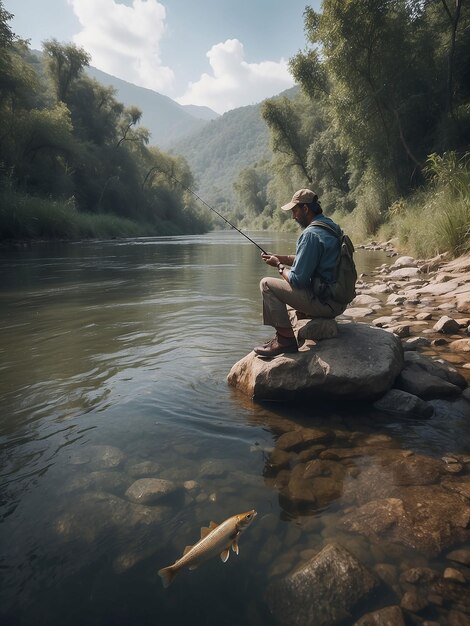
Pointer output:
264, 284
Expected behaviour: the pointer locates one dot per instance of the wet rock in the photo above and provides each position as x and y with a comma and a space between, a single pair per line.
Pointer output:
277, 460
213, 468
439, 289
463, 302
413, 601
400, 330
395, 299
460, 345
387, 573
405, 272
306, 492
404, 261
96, 514
460, 556
407, 404
365, 300
416, 470
454, 408
460, 485
297, 440
419, 575
358, 311
143, 469
418, 382
150, 490
388, 616
324, 591
450, 573
447, 325
453, 593
98, 457
379, 288
428, 519
334, 367
424, 316
385, 320
429, 379
456, 618
416, 342
109, 481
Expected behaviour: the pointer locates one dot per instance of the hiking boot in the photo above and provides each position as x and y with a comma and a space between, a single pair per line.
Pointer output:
277, 345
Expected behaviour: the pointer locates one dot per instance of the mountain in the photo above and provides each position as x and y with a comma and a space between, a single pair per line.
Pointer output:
166, 119
218, 151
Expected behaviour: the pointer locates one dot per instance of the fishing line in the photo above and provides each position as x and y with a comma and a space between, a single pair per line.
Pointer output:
216, 212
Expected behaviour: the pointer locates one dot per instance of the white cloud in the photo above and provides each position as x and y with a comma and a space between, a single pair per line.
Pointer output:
234, 82
125, 40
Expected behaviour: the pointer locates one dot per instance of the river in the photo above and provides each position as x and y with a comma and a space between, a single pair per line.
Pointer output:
114, 357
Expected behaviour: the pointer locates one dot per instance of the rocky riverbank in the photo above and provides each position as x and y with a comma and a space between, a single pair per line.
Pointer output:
424, 302
400, 539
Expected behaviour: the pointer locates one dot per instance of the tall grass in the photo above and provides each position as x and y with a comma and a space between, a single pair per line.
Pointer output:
434, 219
28, 217
438, 219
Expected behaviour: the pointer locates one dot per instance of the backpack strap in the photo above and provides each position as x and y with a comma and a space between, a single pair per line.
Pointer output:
327, 226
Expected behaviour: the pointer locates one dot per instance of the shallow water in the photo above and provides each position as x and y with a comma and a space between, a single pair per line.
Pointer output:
114, 354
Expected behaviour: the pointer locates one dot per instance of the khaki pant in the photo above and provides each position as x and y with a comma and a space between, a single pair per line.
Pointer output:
278, 295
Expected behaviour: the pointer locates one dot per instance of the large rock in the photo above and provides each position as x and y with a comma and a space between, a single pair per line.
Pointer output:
150, 490
429, 379
404, 403
322, 592
388, 616
427, 518
361, 362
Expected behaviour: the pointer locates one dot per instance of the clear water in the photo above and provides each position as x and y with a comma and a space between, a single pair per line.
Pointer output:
127, 344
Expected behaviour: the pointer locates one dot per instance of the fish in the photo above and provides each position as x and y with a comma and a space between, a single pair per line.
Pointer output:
215, 539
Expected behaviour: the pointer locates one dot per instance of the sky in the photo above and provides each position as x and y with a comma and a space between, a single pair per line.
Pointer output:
223, 54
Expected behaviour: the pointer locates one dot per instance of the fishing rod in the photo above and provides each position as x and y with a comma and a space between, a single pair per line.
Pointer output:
212, 209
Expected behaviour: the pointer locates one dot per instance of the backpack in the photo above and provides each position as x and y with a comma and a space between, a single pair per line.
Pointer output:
343, 289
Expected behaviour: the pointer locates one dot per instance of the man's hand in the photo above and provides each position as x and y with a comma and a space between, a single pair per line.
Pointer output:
270, 259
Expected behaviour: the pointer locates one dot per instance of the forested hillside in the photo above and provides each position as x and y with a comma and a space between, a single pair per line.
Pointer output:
74, 161
221, 149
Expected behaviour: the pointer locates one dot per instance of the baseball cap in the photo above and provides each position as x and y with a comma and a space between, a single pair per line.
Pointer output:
300, 197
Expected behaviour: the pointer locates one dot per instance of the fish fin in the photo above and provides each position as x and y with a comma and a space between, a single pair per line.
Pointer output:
167, 574
187, 549
205, 531
212, 525
192, 567
225, 554
235, 546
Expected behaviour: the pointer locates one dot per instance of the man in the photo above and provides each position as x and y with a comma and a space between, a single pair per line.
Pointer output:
304, 286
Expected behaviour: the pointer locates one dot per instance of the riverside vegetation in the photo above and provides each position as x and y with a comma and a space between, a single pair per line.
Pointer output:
74, 162
379, 126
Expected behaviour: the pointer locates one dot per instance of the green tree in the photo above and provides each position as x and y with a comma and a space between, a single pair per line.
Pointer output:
287, 138
378, 66
250, 187
65, 63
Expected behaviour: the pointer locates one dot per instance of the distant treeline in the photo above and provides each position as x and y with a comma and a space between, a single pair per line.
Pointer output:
73, 160
381, 128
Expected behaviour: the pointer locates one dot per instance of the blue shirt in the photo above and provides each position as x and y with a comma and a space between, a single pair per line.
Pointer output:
316, 254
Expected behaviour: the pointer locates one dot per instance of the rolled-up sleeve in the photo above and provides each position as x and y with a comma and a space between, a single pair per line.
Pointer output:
307, 258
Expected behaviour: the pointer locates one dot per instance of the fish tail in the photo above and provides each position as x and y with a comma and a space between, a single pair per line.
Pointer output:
167, 574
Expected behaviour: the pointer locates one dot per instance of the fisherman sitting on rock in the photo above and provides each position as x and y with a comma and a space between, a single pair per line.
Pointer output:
305, 278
